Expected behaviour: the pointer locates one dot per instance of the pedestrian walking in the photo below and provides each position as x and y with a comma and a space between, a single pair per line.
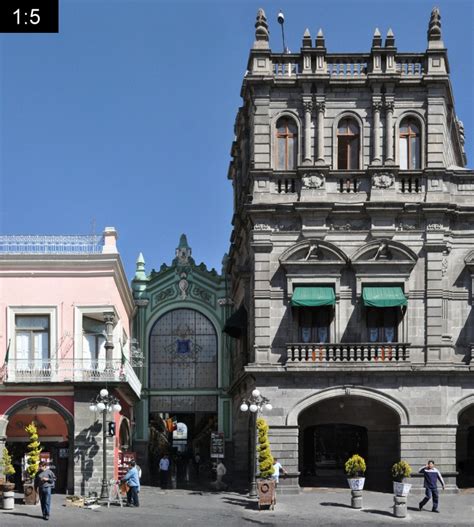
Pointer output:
164, 471
45, 481
221, 471
197, 464
277, 470
132, 479
432, 476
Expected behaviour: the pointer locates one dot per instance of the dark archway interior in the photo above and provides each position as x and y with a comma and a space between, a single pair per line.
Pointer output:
465, 448
333, 430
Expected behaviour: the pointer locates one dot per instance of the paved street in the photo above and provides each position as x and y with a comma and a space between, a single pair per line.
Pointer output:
229, 509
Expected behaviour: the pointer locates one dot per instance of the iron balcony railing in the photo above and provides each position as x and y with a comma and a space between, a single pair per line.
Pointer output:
73, 244
350, 352
70, 370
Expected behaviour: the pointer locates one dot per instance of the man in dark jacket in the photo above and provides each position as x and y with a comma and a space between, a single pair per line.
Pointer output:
432, 476
44, 483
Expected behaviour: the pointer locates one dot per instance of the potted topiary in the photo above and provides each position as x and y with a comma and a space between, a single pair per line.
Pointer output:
32, 464
401, 471
265, 482
355, 469
8, 501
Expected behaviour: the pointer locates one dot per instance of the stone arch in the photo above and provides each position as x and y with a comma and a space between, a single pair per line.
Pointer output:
57, 407
458, 407
329, 393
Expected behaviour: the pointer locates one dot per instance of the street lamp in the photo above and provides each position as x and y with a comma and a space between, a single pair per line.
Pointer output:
254, 404
281, 21
104, 402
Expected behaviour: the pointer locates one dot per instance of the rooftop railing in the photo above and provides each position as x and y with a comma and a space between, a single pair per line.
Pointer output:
73, 244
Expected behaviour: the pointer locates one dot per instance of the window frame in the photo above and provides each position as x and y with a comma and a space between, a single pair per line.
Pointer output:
276, 137
420, 121
409, 120
382, 313
351, 115
315, 313
32, 311
349, 139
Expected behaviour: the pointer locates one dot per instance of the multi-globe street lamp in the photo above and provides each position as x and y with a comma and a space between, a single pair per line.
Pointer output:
104, 402
254, 404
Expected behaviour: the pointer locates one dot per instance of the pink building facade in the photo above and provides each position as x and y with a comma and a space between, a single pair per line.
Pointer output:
65, 334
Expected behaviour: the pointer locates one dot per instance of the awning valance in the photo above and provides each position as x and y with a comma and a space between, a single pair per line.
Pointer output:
384, 296
313, 296
236, 325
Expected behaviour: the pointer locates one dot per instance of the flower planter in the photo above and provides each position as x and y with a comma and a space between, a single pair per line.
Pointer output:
266, 493
8, 501
356, 483
401, 489
29, 494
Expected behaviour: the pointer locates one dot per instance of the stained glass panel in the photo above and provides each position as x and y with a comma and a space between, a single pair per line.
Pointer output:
183, 351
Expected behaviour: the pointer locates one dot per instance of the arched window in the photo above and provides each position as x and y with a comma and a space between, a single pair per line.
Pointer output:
348, 145
410, 145
286, 144
183, 351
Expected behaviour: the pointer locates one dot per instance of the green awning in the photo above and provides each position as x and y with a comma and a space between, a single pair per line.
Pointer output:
384, 297
313, 297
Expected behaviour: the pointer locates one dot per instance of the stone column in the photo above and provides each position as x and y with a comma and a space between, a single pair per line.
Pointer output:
308, 108
377, 153
389, 157
109, 320
320, 107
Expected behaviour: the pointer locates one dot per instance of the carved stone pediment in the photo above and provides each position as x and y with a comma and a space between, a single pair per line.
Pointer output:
313, 251
384, 251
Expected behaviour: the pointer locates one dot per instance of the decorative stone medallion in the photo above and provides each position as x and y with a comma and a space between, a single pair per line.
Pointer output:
382, 181
313, 180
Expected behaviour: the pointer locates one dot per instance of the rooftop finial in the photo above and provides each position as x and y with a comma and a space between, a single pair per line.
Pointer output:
390, 39
140, 268
320, 39
261, 31
377, 40
434, 29
307, 39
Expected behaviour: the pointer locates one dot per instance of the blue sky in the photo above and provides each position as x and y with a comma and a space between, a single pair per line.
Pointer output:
126, 117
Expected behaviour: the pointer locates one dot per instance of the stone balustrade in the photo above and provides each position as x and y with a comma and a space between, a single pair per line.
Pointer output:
350, 352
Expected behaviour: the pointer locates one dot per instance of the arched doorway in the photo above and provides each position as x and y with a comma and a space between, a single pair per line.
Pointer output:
183, 368
465, 448
332, 430
56, 434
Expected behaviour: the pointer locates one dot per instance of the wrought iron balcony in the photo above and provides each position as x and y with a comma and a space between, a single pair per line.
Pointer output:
70, 371
350, 352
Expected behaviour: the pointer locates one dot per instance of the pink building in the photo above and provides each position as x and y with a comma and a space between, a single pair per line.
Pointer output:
65, 334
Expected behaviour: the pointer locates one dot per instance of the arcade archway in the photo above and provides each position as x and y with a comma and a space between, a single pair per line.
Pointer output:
334, 429
56, 434
465, 448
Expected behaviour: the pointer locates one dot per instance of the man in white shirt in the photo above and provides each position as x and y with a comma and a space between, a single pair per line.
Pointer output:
221, 471
164, 471
277, 470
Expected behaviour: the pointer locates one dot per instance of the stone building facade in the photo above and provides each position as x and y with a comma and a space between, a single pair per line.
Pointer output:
352, 254
179, 321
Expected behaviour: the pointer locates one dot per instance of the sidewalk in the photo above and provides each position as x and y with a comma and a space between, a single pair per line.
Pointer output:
179, 508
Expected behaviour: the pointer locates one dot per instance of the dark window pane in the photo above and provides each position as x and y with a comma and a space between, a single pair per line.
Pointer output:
342, 151
354, 154
415, 152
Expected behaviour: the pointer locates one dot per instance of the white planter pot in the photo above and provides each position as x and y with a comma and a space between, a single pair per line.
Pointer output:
401, 489
8, 500
356, 483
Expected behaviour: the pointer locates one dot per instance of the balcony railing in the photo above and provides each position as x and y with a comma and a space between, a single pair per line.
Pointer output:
357, 352
92, 244
70, 370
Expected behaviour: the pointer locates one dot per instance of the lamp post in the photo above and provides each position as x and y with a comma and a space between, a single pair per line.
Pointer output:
281, 21
103, 403
254, 404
